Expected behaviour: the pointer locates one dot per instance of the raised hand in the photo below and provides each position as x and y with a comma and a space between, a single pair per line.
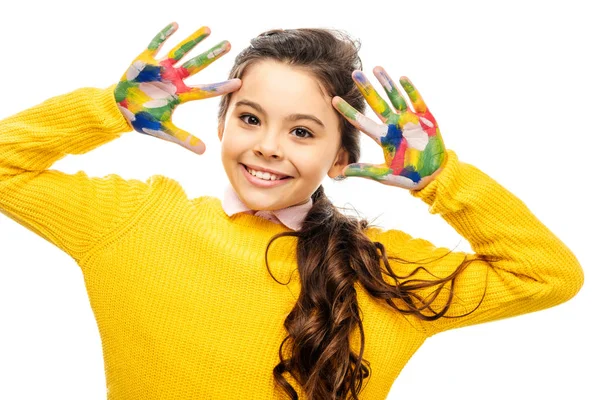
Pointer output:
412, 145
150, 89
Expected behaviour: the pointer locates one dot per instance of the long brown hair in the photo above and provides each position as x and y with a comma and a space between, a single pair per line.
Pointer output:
333, 252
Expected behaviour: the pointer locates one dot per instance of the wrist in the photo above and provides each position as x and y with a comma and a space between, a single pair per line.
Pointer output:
428, 179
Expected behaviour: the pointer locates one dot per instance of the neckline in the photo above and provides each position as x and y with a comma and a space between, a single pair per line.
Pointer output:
246, 219
253, 222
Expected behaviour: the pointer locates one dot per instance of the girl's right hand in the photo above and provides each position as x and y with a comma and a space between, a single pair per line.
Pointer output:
149, 90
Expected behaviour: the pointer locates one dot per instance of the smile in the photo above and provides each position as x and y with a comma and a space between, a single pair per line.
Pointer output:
263, 183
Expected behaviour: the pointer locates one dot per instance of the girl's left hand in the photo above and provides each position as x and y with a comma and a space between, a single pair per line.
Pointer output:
412, 145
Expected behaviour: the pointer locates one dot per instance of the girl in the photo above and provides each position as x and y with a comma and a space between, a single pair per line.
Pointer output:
189, 294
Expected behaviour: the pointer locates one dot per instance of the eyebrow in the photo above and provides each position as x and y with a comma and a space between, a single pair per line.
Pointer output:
291, 117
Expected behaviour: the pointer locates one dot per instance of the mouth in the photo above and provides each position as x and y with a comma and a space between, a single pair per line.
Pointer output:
280, 179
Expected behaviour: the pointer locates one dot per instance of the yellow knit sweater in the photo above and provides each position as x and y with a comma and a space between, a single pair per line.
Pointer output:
185, 306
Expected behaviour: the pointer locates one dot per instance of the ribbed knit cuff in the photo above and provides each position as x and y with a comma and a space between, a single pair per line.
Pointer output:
449, 173
113, 120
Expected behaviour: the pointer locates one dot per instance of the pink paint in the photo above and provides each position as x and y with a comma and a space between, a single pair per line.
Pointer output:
174, 75
397, 164
430, 130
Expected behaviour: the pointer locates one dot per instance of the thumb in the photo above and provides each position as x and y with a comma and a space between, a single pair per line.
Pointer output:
210, 90
366, 170
176, 135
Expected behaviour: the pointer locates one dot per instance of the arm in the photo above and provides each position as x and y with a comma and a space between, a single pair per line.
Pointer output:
519, 264
70, 211
535, 269
75, 211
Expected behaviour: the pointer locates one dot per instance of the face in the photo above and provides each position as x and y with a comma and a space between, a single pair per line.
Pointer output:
280, 119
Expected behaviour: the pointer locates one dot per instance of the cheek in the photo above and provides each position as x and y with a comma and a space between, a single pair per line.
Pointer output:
310, 161
232, 144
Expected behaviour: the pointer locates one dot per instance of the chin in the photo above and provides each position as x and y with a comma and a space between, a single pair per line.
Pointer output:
259, 203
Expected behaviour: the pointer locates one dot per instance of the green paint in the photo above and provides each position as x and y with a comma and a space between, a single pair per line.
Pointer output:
122, 88
387, 111
162, 113
367, 170
187, 46
389, 150
347, 109
203, 60
161, 37
410, 90
432, 157
396, 98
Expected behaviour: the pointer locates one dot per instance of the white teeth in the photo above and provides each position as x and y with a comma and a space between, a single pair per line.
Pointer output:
263, 175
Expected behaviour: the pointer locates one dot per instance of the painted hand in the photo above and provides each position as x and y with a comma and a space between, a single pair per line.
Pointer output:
150, 89
412, 145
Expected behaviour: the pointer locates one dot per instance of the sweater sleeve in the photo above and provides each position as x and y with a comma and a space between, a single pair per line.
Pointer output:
527, 267
72, 211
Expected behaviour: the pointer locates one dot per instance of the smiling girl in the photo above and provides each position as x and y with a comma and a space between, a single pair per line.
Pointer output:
272, 292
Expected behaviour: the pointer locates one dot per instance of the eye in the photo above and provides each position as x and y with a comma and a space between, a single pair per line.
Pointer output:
247, 115
306, 132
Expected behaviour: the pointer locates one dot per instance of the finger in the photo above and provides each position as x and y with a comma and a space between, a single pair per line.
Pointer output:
375, 101
383, 174
188, 43
413, 93
366, 170
403, 181
168, 131
203, 60
160, 38
374, 130
210, 90
390, 89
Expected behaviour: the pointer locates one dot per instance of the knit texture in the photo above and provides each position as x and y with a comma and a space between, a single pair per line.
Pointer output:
185, 306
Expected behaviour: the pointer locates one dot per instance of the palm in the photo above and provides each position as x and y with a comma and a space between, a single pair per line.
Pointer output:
412, 145
151, 89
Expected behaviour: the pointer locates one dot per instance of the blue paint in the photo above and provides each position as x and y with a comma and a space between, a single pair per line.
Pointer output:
145, 120
393, 136
410, 172
150, 73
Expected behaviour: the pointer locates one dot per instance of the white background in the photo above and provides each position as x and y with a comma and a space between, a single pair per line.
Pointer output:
513, 85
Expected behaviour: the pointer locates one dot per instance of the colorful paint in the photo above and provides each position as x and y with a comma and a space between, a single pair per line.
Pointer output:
412, 145
150, 89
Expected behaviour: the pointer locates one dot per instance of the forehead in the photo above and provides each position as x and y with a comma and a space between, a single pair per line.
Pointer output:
279, 86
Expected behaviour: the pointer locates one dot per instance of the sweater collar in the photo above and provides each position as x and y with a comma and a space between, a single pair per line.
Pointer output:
292, 217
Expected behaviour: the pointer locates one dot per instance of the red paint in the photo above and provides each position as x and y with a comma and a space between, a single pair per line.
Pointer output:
397, 164
174, 75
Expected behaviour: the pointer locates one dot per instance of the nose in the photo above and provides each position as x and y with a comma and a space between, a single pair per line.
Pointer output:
267, 145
